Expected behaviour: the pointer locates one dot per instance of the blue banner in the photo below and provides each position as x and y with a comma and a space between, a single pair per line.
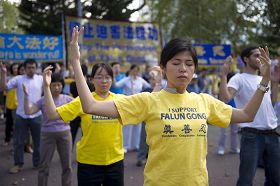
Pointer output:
18, 47
113, 41
212, 54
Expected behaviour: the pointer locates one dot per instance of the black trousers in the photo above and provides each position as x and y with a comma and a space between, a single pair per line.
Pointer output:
95, 175
75, 125
9, 125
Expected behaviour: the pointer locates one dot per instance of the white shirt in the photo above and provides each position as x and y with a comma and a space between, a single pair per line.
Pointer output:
34, 86
277, 111
246, 86
132, 86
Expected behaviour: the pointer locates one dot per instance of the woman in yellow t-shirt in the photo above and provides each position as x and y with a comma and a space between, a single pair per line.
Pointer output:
176, 120
11, 106
100, 150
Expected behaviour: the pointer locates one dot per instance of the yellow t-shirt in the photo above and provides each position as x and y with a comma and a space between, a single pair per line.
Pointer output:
176, 126
11, 99
68, 80
102, 142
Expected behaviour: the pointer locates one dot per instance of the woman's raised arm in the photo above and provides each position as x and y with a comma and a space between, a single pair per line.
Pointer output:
89, 105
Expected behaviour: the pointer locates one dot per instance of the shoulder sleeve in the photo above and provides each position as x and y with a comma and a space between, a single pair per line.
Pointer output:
235, 82
121, 83
133, 109
71, 110
219, 113
12, 83
68, 98
145, 83
118, 96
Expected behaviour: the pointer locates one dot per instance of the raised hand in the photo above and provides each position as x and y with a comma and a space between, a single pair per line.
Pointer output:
57, 68
3, 67
156, 73
74, 45
47, 75
25, 91
265, 63
225, 69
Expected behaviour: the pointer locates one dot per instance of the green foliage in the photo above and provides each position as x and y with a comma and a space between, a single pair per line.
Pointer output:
110, 10
237, 22
45, 16
271, 28
8, 18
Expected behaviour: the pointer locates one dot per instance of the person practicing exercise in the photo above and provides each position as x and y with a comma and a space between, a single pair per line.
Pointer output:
176, 120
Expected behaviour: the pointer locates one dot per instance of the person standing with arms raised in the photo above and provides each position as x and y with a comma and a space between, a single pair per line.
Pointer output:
176, 121
25, 122
100, 150
258, 137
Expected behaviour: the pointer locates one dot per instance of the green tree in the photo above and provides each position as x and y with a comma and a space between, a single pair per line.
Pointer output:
110, 10
201, 21
45, 16
263, 22
9, 17
236, 22
271, 26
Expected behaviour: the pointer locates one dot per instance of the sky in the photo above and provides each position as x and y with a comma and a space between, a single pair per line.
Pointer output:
135, 15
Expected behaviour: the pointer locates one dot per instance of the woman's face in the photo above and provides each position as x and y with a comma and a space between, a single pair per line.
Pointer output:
134, 71
15, 70
56, 88
179, 71
102, 81
21, 70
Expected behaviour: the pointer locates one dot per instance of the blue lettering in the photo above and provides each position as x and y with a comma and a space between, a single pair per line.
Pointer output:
88, 31
128, 32
101, 31
140, 33
115, 31
92, 58
153, 33
135, 58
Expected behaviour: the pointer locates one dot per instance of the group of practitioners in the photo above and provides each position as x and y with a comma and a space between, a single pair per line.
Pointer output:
174, 120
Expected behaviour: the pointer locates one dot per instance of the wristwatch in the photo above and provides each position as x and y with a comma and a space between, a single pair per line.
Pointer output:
263, 88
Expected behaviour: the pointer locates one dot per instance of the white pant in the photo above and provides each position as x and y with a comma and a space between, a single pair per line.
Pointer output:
131, 136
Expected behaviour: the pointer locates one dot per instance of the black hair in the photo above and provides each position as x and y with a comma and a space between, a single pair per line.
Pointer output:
104, 66
230, 75
133, 66
115, 63
19, 67
84, 69
30, 61
11, 68
56, 77
174, 47
246, 52
45, 65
